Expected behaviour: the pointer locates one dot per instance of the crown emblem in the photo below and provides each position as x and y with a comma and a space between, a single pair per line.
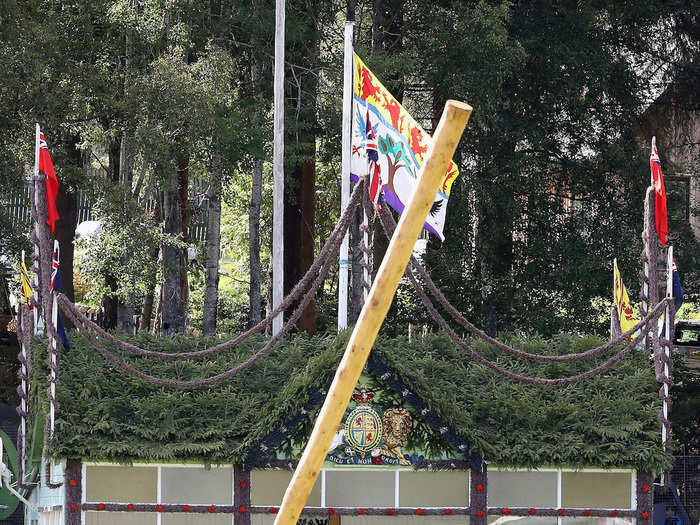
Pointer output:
364, 397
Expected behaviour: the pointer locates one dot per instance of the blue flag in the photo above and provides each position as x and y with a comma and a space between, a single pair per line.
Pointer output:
677, 288
56, 286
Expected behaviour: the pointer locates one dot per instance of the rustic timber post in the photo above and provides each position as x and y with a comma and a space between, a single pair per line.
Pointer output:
645, 498
447, 136
241, 495
74, 492
478, 499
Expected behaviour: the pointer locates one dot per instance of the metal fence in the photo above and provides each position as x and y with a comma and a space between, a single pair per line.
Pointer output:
686, 476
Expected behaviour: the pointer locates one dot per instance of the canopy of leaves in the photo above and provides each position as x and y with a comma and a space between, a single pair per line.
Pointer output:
609, 421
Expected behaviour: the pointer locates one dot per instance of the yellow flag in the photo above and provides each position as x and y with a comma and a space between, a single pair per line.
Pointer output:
27, 291
622, 302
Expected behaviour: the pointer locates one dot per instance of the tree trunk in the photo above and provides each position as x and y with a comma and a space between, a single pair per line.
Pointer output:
67, 206
172, 305
110, 301
300, 183
254, 294
125, 314
183, 178
211, 278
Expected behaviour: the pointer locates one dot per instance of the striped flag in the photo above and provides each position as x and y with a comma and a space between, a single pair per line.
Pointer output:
657, 180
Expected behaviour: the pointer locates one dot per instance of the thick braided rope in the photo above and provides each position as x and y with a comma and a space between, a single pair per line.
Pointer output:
389, 225
85, 330
662, 362
24, 330
323, 256
506, 373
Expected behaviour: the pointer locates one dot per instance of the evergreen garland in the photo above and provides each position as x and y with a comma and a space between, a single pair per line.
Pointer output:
609, 421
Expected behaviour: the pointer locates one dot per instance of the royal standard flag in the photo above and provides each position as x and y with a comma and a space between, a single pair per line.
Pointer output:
622, 302
401, 144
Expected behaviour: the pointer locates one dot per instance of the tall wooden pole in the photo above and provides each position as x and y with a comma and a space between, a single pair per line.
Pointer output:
449, 130
344, 261
278, 170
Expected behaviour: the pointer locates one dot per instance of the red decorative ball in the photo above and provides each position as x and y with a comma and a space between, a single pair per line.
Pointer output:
101, 506
419, 512
73, 506
613, 513
159, 507
448, 511
212, 508
243, 484
532, 511
130, 506
273, 510
560, 512
479, 487
73, 482
479, 512
389, 512
241, 509
331, 511
186, 508
586, 512
506, 511
360, 511
377, 460
645, 514
645, 488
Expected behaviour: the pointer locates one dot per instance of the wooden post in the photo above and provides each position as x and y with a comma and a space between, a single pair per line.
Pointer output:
74, 492
278, 170
478, 484
241, 495
447, 135
645, 498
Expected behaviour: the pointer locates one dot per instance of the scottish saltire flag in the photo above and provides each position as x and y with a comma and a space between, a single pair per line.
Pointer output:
401, 144
46, 167
657, 180
625, 313
27, 291
56, 286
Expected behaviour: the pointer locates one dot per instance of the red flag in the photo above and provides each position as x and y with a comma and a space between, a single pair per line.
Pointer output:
657, 179
46, 167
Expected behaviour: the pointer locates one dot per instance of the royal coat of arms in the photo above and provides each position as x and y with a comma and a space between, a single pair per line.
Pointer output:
368, 438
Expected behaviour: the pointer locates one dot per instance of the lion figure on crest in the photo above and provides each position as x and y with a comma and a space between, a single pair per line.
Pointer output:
397, 423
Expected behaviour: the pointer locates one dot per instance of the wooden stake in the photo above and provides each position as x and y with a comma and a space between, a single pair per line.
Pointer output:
449, 130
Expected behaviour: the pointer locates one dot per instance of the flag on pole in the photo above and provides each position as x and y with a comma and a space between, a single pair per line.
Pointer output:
56, 286
46, 167
27, 291
657, 180
677, 288
625, 313
383, 128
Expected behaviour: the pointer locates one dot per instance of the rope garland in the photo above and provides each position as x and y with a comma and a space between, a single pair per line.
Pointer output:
389, 225
386, 220
327, 252
81, 322
24, 330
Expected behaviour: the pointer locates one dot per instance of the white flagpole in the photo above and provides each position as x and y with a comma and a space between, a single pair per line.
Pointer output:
36, 187
54, 322
344, 260
278, 170
668, 333
25, 384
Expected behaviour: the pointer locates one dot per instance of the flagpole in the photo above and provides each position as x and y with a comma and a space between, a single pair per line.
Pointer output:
54, 323
669, 335
344, 260
35, 263
278, 170
25, 382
